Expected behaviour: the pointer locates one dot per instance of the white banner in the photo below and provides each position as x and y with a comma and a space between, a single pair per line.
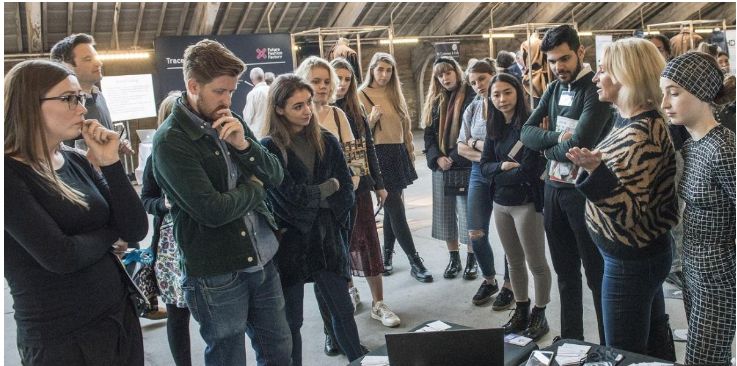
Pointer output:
129, 96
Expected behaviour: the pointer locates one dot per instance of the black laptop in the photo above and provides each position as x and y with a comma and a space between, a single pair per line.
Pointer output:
447, 348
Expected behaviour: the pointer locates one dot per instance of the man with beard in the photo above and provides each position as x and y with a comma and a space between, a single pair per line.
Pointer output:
78, 53
214, 174
569, 115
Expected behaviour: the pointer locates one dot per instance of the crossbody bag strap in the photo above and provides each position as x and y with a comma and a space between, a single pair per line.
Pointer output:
378, 123
337, 124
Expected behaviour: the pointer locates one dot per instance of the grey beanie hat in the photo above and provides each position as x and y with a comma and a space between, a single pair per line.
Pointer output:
693, 72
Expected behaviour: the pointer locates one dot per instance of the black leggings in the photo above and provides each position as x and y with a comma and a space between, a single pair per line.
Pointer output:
395, 224
177, 330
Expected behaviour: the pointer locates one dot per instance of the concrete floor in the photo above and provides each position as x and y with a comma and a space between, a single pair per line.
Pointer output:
414, 302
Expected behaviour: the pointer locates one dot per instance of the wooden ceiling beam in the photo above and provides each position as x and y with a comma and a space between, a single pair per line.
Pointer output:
298, 19
244, 17
34, 30
70, 16
141, 7
161, 19
182, 18
281, 17
224, 19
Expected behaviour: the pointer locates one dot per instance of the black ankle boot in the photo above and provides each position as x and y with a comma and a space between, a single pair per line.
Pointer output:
538, 325
419, 272
472, 267
388, 268
518, 323
331, 346
454, 265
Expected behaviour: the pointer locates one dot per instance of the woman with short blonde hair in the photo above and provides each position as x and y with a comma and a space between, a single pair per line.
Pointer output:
628, 182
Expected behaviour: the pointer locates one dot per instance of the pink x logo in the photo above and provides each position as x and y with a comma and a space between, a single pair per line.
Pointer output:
260, 53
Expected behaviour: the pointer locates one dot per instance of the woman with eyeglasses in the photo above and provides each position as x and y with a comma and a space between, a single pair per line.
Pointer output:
63, 223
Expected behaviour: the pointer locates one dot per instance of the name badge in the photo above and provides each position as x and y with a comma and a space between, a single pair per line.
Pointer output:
566, 98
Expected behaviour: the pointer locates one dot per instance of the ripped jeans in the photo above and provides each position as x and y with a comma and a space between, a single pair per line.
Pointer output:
479, 216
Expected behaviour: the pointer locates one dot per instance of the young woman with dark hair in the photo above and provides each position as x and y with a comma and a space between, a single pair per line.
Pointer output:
470, 145
515, 172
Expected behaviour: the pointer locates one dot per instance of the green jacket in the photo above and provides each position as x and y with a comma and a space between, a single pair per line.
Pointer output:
595, 119
208, 217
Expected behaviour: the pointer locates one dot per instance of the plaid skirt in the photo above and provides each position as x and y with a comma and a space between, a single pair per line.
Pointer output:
448, 213
365, 250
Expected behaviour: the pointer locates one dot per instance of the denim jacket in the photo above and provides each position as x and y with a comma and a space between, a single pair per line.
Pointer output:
208, 216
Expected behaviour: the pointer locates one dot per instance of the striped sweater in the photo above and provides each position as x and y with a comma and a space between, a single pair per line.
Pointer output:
631, 198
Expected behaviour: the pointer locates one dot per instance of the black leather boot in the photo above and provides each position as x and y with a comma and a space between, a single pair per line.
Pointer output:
331, 346
419, 272
538, 325
521, 317
454, 265
472, 267
388, 254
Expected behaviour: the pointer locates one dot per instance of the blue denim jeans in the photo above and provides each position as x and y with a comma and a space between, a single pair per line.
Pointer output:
234, 304
333, 289
632, 298
479, 216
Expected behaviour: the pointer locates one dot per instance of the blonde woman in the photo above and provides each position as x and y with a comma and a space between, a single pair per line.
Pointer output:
390, 124
628, 182
168, 273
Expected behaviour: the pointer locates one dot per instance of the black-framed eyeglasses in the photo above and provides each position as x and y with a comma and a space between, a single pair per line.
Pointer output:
73, 100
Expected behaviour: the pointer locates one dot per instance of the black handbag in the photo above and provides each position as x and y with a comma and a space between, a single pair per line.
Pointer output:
455, 181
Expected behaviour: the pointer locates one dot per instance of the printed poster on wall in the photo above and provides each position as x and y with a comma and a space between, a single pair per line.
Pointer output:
129, 97
731, 35
270, 51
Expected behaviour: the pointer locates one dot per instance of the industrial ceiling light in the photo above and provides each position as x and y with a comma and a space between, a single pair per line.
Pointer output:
500, 35
400, 41
124, 56
586, 34
651, 32
706, 30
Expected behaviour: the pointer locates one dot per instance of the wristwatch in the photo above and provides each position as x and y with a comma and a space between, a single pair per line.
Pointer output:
473, 144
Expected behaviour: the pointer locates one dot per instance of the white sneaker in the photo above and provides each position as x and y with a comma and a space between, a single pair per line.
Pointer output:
382, 313
355, 298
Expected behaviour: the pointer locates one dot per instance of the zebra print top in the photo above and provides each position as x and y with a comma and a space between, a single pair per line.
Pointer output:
631, 197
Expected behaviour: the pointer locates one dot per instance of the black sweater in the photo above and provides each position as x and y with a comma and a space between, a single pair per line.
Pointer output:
153, 201
516, 186
58, 260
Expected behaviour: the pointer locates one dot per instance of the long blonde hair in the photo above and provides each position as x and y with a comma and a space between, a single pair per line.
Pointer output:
394, 87
277, 126
25, 132
166, 106
636, 64
312, 62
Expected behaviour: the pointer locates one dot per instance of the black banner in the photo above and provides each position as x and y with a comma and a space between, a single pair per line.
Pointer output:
270, 51
448, 49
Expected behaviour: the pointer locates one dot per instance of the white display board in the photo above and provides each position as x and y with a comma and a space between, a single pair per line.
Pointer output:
129, 96
601, 42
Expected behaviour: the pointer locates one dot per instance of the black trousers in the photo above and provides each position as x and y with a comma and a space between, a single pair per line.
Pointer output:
570, 246
114, 340
395, 224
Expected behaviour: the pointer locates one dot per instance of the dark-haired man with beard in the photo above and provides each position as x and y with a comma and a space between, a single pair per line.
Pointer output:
572, 101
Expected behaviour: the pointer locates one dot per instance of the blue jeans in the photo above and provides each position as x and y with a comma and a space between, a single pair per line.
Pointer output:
234, 304
333, 289
479, 215
632, 298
